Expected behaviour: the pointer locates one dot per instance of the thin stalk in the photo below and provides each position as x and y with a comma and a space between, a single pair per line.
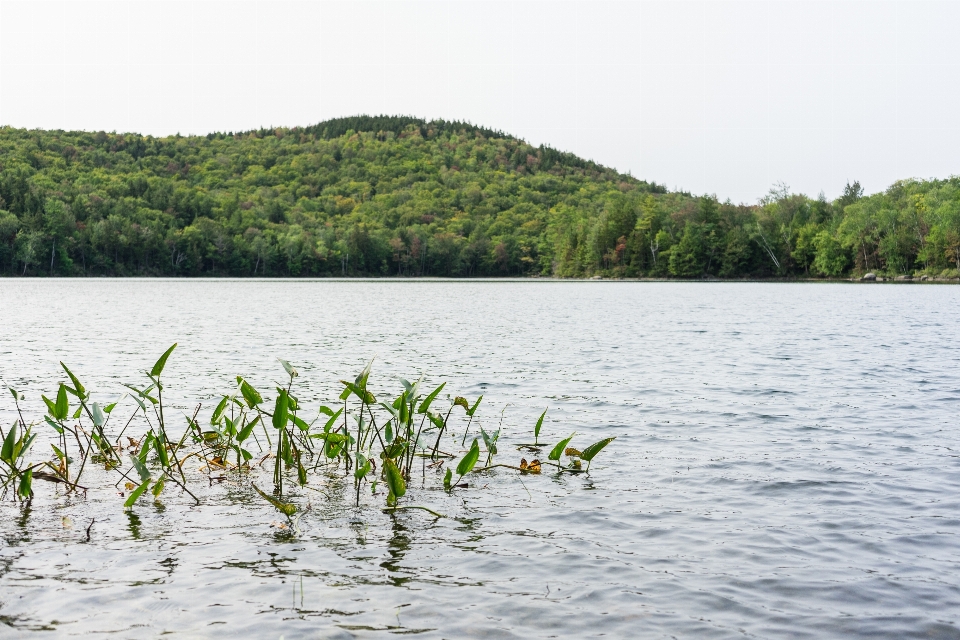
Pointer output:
440, 435
120, 435
439, 515
177, 482
464, 440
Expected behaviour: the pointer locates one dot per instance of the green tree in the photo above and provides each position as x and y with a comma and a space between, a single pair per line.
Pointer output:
831, 258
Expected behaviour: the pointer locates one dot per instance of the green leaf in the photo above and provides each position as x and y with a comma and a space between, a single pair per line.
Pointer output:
145, 446
286, 451
303, 426
51, 405
413, 390
63, 404
157, 487
470, 460
486, 438
141, 468
143, 407
109, 408
490, 441
473, 409
53, 424
293, 373
327, 411
358, 391
76, 414
13, 391
292, 404
462, 402
97, 413
395, 449
425, 405
394, 479
6, 452
329, 424
447, 480
136, 494
332, 448
285, 508
336, 438
361, 380
280, 411
28, 439
161, 363
591, 451
142, 394
246, 455
247, 429
536, 429
78, 388
57, 451
159, 445
250, 394
218, 412
363, 467
557, 451
436, 420
26, 480
301, 473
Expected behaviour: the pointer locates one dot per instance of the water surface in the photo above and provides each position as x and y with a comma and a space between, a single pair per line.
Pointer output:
785, 464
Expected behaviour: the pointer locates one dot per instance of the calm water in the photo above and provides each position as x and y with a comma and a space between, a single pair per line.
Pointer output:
786, 463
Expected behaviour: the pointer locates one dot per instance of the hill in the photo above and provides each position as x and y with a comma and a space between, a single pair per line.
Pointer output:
389, 195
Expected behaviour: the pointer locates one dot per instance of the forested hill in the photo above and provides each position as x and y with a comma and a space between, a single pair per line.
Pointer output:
388, 196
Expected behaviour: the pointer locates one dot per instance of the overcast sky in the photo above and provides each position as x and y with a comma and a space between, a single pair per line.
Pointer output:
708, 96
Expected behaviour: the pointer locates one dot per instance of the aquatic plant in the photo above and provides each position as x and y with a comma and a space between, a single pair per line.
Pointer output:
372, 443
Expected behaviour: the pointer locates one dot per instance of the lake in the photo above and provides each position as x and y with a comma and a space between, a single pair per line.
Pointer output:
786, 462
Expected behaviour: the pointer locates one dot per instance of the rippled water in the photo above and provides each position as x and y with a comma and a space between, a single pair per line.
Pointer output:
786, 463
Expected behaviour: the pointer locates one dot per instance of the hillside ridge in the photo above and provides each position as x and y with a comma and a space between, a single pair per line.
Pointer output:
404, 196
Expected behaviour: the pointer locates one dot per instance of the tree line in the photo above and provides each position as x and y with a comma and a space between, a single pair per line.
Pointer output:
400, 196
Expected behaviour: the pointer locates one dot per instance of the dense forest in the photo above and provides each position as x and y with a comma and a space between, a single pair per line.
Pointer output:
399, 196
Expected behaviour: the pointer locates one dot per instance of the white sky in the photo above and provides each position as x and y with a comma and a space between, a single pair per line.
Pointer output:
708, 96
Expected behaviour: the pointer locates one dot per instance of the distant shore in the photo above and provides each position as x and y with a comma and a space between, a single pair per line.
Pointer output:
711, 279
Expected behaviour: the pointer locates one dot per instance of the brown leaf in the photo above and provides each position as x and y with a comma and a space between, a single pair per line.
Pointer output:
523, 464
573, 453
129, 486
534, 466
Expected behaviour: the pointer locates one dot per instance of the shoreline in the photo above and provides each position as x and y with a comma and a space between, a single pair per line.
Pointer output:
878, 280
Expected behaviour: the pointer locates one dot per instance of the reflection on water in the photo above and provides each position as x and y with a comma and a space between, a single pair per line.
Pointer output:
397, 547
133, 524
785, 465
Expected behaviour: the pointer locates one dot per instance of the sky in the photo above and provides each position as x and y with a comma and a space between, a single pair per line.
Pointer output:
717, 97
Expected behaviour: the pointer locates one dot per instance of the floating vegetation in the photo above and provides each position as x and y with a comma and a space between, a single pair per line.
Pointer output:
364, 440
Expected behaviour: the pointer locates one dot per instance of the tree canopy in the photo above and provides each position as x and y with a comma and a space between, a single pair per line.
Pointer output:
394, 195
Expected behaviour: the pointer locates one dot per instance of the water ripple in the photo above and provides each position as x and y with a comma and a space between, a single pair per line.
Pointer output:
787, 463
